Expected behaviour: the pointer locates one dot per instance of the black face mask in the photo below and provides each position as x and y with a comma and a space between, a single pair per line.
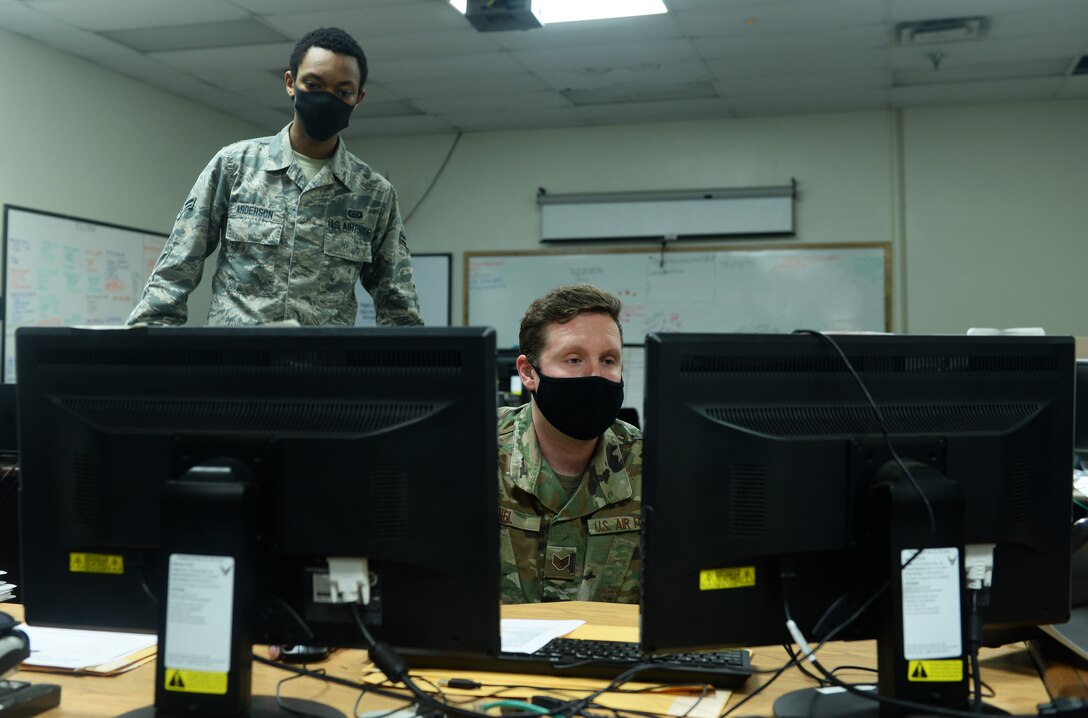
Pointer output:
322, 114
581, 407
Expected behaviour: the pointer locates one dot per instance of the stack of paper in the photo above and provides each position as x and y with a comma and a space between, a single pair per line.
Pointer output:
6, 589
93, 652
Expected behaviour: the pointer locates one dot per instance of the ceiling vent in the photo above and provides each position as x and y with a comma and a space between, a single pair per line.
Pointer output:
929, 32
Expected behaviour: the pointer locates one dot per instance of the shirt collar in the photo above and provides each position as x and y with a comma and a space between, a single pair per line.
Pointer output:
527, 471
281, 155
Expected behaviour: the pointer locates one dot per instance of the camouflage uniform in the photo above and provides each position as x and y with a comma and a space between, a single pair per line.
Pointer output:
554, 549
290, 250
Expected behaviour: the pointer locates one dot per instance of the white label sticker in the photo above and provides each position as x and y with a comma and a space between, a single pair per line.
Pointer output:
931, 604
198, 615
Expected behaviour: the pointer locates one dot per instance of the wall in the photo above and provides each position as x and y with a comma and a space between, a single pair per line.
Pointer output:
84, 141
983, 204
486, 197
996, 218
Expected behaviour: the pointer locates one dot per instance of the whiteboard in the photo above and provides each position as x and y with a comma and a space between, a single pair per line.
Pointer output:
433, 274
64, 271
694, 289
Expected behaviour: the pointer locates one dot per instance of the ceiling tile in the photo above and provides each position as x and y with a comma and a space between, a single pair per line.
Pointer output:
391, 108
368, 21
513, 120
648, 74
847, 39
609, 56
1000, 51
261, 57
83, 43
991, 71
226, 33
462, 104
1035, 20
476, 65
784, 17
762, 56
135, 64
423, 124
260, 87
467, 85
803, 85
900, 10
762, 66
277, 7
591, 34
19, 18
655, 111
123, 14
436, 44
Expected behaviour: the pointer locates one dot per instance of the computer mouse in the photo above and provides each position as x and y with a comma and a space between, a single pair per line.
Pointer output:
303, 654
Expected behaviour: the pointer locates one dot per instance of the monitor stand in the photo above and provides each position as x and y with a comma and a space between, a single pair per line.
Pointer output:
209, 545
901, 525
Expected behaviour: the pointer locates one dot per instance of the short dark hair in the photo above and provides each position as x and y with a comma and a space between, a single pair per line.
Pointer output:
559, 306
333, 39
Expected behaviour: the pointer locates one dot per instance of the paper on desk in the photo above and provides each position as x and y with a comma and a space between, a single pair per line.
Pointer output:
6, 588
525, 635
74, 650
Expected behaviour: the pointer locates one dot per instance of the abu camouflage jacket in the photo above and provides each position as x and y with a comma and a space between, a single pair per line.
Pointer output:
288, 249
584, 548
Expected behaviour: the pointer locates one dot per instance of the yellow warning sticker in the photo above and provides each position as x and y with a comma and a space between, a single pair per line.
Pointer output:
935, 671
715, 579
96, 563
195, 681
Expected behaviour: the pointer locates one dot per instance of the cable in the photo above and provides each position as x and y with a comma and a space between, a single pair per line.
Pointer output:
799, 660
760, 689
528, 707
880, 422
287, 707
385, 693
974, 642
434, 180
396, 669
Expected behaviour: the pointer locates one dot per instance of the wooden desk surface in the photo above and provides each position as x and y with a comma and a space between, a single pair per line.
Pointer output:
1008, 670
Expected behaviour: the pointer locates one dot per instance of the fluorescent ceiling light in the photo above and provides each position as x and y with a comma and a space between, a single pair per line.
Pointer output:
552, 11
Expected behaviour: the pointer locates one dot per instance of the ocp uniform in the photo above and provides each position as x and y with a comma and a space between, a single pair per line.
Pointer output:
291, 249
585, 547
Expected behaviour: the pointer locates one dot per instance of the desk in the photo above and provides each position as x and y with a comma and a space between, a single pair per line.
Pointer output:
1008, 670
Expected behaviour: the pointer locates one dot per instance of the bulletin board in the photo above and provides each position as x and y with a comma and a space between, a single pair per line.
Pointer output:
776, 288
433, 274
64, 271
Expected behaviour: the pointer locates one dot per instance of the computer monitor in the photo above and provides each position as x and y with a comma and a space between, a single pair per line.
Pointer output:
769, 483
157, 463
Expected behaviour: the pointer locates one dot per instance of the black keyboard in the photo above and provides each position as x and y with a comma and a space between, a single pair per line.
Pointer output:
19, 698
599, 659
